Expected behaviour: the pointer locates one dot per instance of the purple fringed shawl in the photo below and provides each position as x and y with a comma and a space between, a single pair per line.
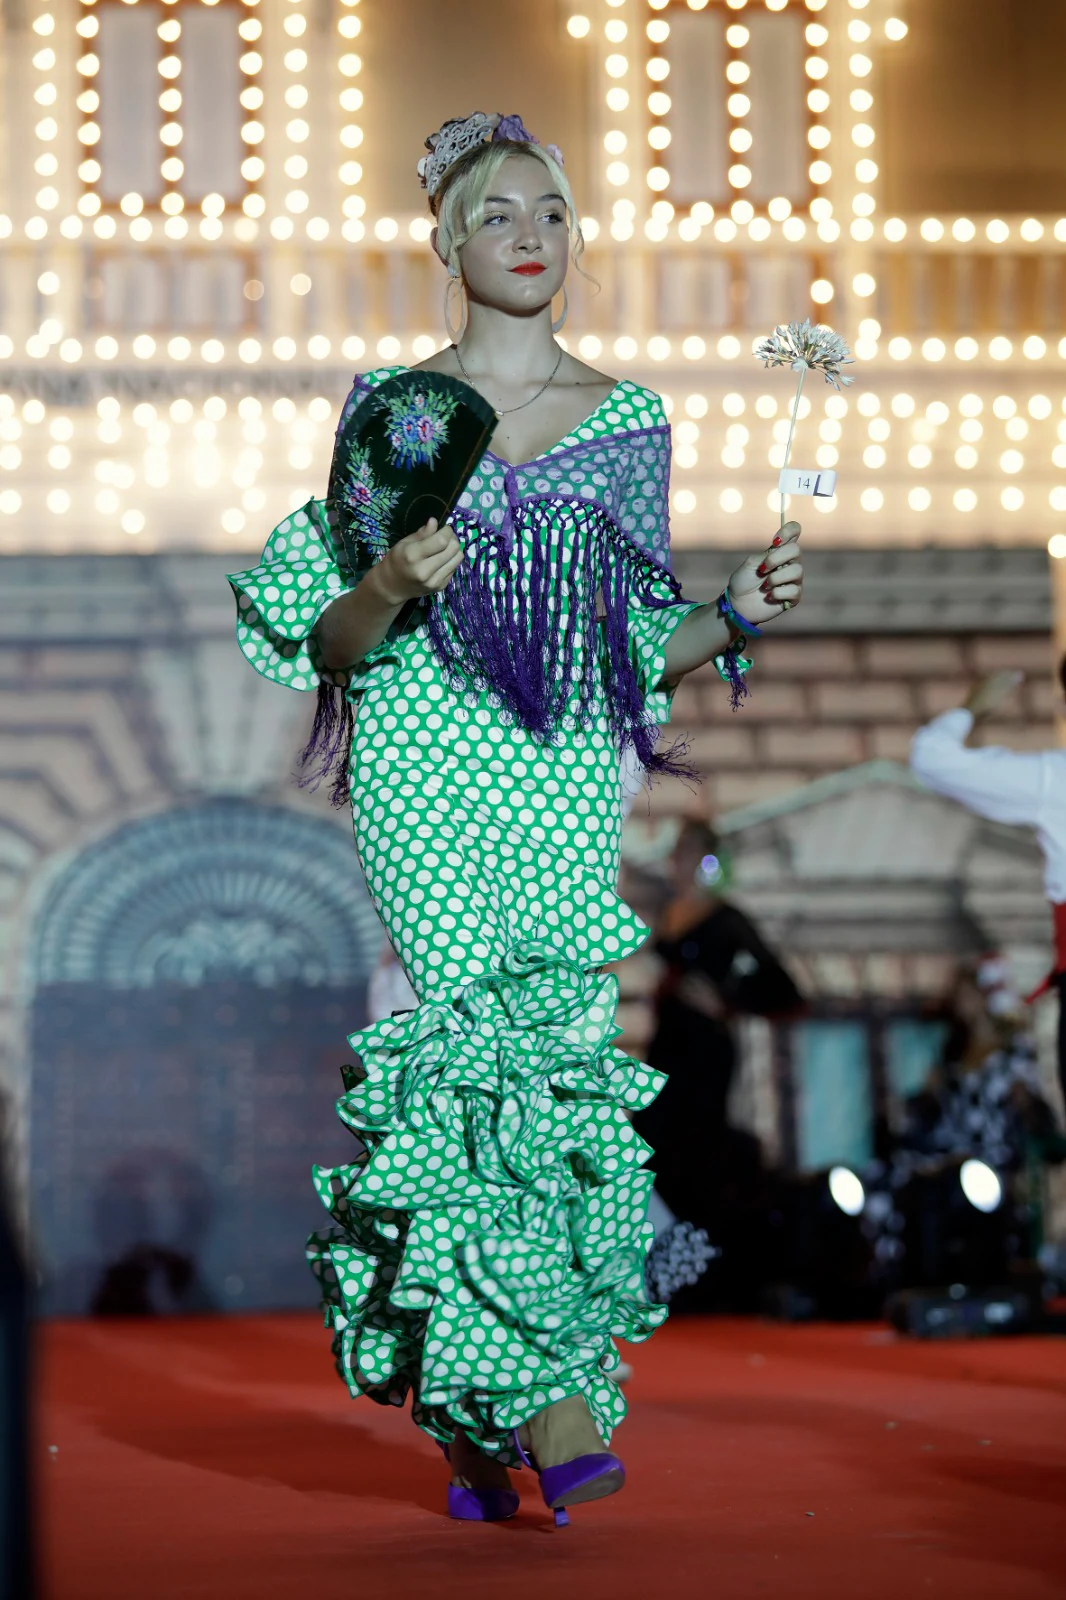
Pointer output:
557, 551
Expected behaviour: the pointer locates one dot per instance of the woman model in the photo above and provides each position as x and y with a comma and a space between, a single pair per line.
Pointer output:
489, 1241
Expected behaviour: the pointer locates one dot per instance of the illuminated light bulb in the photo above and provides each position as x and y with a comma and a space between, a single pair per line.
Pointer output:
997, 231
617, 66
105, 227
860, 66
742, 211
1000, 348
658, 178
617, 99
737, 72
934, 349
1057, 546
873, 456
739, 175
1012, 499
659, 348
655, 230
684, 501
919, 499
386, 228
1034, 348
932, 229
318, 347
70, 350
919, 456
1031, 230
816, 67
820, 172
899, 349
659, 138
759, 229
895, 29
963, 230
1011, 461
578, 27
866, 171
818, 102
614, 142
657, 31
249, 350
133, 522
738, 105
1039, 407
284, 348
871, 500
862, 134
728, 347
864, 284
1060, 230
829, 231
818, 137
350, 65
794, 229
966, 457
297, 201
617, 173
858, 32
625, 348
212, 350
58, 501
821, 291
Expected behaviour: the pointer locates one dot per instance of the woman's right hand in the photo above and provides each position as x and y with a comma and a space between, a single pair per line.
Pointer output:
422, 563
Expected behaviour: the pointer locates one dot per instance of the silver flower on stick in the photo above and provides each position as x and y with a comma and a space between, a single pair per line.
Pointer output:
805, 347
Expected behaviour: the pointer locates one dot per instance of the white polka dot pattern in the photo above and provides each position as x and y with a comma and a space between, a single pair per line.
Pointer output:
488, 1246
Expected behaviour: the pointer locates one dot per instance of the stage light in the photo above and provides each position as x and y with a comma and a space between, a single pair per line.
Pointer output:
1034, 348
980, 1185
919, 499
1000, 348
997, 231
1057, 546
821, 291
847, 1191
684, 501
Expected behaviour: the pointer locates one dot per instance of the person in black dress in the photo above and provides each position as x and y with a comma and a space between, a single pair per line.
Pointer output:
717, 967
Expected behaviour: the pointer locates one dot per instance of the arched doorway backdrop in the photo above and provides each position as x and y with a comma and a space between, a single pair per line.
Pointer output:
195, 975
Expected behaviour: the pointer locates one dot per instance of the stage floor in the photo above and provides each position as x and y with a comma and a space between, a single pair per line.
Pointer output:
222, 1458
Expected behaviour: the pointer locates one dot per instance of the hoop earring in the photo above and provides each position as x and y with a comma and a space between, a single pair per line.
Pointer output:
454, 334
561, 319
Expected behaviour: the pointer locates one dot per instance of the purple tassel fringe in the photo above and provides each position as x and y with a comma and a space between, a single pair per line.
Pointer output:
328, 751
511, 623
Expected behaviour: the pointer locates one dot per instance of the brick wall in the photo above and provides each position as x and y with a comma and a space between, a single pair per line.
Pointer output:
818, 704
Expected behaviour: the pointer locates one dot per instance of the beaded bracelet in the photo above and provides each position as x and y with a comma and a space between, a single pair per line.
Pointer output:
731, 663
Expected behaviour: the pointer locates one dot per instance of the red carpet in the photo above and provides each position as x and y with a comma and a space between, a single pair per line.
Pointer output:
222, 1458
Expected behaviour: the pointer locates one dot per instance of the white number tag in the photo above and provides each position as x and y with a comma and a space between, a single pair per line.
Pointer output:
794, 480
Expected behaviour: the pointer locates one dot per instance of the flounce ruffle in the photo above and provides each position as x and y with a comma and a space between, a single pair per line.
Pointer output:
490, 1239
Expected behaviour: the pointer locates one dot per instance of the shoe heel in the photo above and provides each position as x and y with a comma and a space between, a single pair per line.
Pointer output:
561, 1518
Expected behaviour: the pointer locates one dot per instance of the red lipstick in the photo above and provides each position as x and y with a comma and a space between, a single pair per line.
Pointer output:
529, 269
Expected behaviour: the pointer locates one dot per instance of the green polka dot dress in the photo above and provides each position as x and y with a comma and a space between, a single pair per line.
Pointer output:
487, 1243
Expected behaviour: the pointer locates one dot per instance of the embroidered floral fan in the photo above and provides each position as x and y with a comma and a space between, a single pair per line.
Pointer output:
405, 454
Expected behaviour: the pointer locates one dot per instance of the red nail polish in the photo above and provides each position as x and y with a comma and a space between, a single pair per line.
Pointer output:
777, 541
760, 571
765, 586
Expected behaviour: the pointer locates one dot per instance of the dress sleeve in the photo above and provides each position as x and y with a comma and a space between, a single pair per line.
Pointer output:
644, 517
280, 601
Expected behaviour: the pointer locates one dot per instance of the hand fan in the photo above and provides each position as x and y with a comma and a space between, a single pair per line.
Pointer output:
404, 455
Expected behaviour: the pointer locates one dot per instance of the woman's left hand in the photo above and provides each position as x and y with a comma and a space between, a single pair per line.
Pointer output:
763, 587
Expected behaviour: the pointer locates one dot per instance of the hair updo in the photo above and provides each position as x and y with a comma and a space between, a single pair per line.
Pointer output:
459, 203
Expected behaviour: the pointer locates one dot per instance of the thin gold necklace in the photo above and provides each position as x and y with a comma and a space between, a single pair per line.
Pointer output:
511, 409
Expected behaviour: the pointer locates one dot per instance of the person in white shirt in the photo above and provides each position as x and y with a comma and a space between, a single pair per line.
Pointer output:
1005, 786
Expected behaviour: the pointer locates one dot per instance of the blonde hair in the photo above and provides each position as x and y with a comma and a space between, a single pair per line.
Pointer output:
459, 204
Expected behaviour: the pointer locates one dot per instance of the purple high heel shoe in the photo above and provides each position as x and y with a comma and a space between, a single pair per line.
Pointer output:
590, 1477
479, 1505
